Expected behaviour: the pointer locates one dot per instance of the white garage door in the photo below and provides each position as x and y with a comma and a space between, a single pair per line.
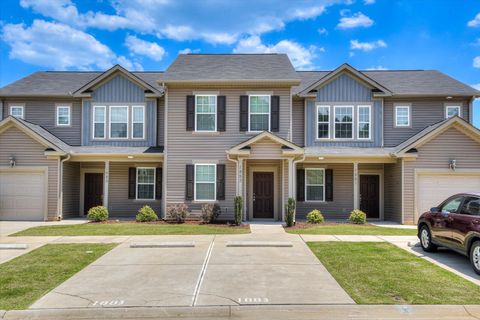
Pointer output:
433, 189
22, 195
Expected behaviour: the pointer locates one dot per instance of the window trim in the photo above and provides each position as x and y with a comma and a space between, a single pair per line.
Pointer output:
21, 106
143, 183
216, 111
369, 121
104, 107
143, 122
269, 112
214, 182
328, 122
408, 107
447, 106
335, 122
57, 114
307, 184
110, 122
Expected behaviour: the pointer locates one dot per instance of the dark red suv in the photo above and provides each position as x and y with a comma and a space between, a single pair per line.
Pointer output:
454, 224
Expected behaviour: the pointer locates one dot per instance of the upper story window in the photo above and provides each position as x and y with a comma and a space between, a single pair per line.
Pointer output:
259, 113
63, 116
323, 122
138, 122
402, 116
343, 122
118, 122
99, 116
145, 183
451, 111
17, 111
314, 184
206, 113
364, 122
205, 182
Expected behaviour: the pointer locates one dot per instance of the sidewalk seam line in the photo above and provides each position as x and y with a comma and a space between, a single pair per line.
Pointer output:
202, 272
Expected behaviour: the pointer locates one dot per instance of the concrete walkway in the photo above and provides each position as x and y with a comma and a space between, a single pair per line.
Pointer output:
11, 227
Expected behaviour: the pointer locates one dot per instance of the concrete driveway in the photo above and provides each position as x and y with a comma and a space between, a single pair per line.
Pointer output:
11, 227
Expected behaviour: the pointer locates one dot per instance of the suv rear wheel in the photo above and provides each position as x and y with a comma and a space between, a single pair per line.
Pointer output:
475, 256
426, 240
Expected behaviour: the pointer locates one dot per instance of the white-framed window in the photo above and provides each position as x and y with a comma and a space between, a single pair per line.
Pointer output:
138, 122
343, 122
63, 116
364, 126
258, 113
206, 113
402, 116
146, 183
99, 122
17, 111
118, 122
205, 182
314, 184
323, 122
451, 111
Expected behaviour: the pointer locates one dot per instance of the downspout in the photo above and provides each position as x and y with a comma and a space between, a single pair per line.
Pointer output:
294, 182
236, 179
60, 188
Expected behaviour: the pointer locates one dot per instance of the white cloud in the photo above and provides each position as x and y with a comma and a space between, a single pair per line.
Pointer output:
322, 31
301, 57
377, 68
367, 46
144, 48
308, 13
475, 21
476, 62
475, 86
188, 50
58, 46
355, 21
367, 2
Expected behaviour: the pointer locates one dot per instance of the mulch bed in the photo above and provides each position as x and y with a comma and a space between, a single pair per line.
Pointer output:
304, 225
225, 224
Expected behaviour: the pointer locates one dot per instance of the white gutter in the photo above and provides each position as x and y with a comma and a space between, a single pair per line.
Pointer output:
60, 188
294, 182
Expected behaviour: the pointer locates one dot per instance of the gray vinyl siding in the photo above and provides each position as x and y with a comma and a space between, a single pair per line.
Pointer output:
342, 203
71, 189
436, 154
393, 191
185, 147
298, 122
28, 152
424, 112
161, 121
43, 113
344, 89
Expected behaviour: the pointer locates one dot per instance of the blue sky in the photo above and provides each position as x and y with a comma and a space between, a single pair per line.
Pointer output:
148, 34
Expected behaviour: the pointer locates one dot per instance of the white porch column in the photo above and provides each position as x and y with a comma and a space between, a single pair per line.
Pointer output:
356, 202
291, 174
106, 178
240, 177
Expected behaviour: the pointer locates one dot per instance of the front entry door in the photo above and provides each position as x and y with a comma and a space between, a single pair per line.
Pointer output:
370, 195
93, 192
263, 195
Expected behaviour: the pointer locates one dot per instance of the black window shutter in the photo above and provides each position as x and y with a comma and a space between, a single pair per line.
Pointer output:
221, 113
243, 113
328, 185
220, 182
132, 182
190, 113
158, 183
300, 184
189, 182
275, 113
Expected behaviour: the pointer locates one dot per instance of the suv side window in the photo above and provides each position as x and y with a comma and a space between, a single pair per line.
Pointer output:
471, 206
452, 205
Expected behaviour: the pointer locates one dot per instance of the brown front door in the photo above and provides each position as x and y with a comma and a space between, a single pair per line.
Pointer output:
93, 191
370, 195
263, 195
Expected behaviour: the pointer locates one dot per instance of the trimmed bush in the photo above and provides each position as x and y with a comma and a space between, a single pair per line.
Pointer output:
177, 212
357, 217
210, 212
98, 214
146, 214
315, 216
290, 212
238, 204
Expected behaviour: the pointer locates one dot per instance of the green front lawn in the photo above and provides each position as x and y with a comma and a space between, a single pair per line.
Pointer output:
381, 273
351, 229
130, 229
25, 279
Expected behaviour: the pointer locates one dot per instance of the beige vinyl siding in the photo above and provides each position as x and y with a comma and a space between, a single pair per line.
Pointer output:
71, 189
29, 152
370, 166
43, 113
393, 191
265, 149
342, 203
161, 121
185, 147
436, 154
298, 122
423, 112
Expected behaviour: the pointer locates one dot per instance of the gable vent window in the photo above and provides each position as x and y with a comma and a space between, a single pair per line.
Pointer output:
206, 113
17, 112
344, 122
452, 111
63, 116
402, 116
259, 113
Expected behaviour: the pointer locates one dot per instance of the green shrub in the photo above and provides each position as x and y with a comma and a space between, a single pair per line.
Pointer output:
290, 212
357, 217
146, 214
238, 204
315, 216
177, 212
97, 214
210, 212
